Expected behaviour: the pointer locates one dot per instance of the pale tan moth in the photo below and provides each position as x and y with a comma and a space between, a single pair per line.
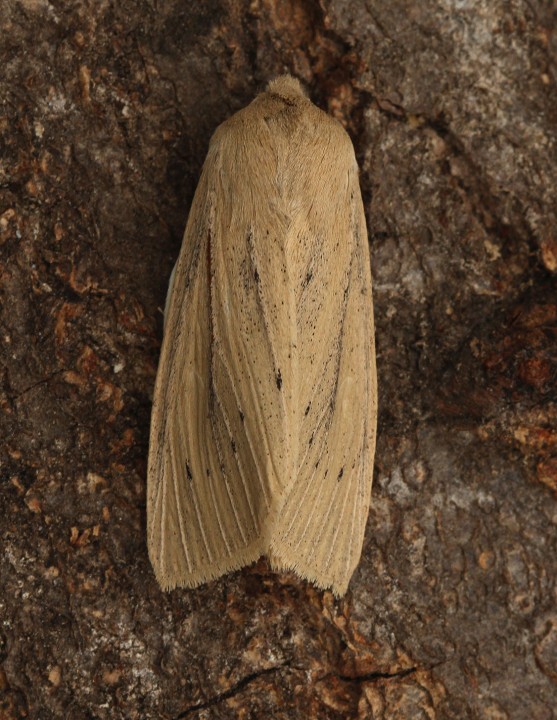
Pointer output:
265, 404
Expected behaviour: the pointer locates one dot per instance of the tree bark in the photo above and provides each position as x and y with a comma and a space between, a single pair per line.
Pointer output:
107, 110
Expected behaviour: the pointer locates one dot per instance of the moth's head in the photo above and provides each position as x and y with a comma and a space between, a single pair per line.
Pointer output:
287, 87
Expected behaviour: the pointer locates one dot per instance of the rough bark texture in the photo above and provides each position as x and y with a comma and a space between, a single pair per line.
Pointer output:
107, 109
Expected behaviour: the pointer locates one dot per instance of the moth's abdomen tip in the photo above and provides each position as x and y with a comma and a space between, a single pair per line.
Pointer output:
286, 86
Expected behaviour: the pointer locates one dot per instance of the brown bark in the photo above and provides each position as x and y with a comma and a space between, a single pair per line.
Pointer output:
107, 108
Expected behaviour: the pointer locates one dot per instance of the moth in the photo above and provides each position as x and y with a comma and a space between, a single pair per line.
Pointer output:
265, 404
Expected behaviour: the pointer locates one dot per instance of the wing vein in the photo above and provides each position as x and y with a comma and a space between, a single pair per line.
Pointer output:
181, 524
247, 434
239, 465
226, 482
